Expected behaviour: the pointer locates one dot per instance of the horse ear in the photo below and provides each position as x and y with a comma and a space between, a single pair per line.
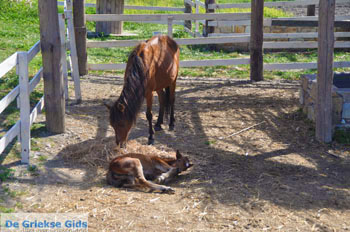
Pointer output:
178, 154
108, 106
121, 107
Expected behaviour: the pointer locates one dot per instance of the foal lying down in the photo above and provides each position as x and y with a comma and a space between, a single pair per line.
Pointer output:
138, 170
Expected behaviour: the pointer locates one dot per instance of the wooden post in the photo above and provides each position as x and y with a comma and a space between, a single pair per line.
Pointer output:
188, 10
325, 70
208, 29
80, 34
311, 9
109, 7
256, 40
52, 71
24, 106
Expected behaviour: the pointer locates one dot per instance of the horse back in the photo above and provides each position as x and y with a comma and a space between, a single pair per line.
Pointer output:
161, 57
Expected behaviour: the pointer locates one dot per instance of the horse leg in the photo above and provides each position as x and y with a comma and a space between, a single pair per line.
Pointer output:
149, 118
161, 98
172, 103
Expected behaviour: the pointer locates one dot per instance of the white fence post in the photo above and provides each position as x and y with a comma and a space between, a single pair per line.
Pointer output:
170, 26
196, 21
24, 106
73, 54
63, 54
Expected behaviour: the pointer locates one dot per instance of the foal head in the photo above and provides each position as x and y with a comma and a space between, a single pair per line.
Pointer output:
182, 162
120, 123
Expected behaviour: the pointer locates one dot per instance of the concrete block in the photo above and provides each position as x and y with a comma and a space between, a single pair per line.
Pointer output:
346, 111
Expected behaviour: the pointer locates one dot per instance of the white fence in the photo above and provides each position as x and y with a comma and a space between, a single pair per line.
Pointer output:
272, 4
158, 8
235, 38
21, 129
21, 60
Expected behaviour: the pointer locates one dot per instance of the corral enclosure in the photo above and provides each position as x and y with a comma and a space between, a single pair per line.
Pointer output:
257, 164
274, 176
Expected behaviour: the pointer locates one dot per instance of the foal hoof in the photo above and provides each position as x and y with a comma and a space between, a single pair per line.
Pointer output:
150, 141
158, 128
168, 190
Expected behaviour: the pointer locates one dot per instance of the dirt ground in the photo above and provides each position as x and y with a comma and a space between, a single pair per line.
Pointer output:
272, 177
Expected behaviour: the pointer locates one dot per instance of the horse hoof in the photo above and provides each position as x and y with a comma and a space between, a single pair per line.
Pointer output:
171, 128
150, 141
169, 191
158, 128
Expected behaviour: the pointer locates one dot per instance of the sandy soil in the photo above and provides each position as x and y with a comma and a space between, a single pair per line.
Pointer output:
272, 177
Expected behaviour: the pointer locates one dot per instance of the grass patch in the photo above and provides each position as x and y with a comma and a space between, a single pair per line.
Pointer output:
4, 209
43, 158
210, 142
5, 173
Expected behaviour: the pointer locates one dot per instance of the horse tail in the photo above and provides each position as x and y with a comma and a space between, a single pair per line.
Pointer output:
167, 101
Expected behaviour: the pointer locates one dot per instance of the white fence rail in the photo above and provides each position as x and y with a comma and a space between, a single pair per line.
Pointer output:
165, 17
21, 129
271, 4
232, 38
155, 8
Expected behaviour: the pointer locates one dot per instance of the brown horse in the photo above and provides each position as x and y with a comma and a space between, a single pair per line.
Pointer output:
152, 66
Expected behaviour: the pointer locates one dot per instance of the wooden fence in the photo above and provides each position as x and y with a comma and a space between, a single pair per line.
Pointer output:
21, 129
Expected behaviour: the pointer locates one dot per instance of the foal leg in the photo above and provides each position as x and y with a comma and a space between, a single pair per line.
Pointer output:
149, 99
165, 177
172, 103
161, 98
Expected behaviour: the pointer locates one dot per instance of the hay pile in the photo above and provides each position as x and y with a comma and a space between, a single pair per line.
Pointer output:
100, 153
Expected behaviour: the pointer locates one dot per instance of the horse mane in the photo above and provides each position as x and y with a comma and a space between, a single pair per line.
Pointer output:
132, 95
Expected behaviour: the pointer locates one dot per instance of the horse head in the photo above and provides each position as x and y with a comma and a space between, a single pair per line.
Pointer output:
119, 122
